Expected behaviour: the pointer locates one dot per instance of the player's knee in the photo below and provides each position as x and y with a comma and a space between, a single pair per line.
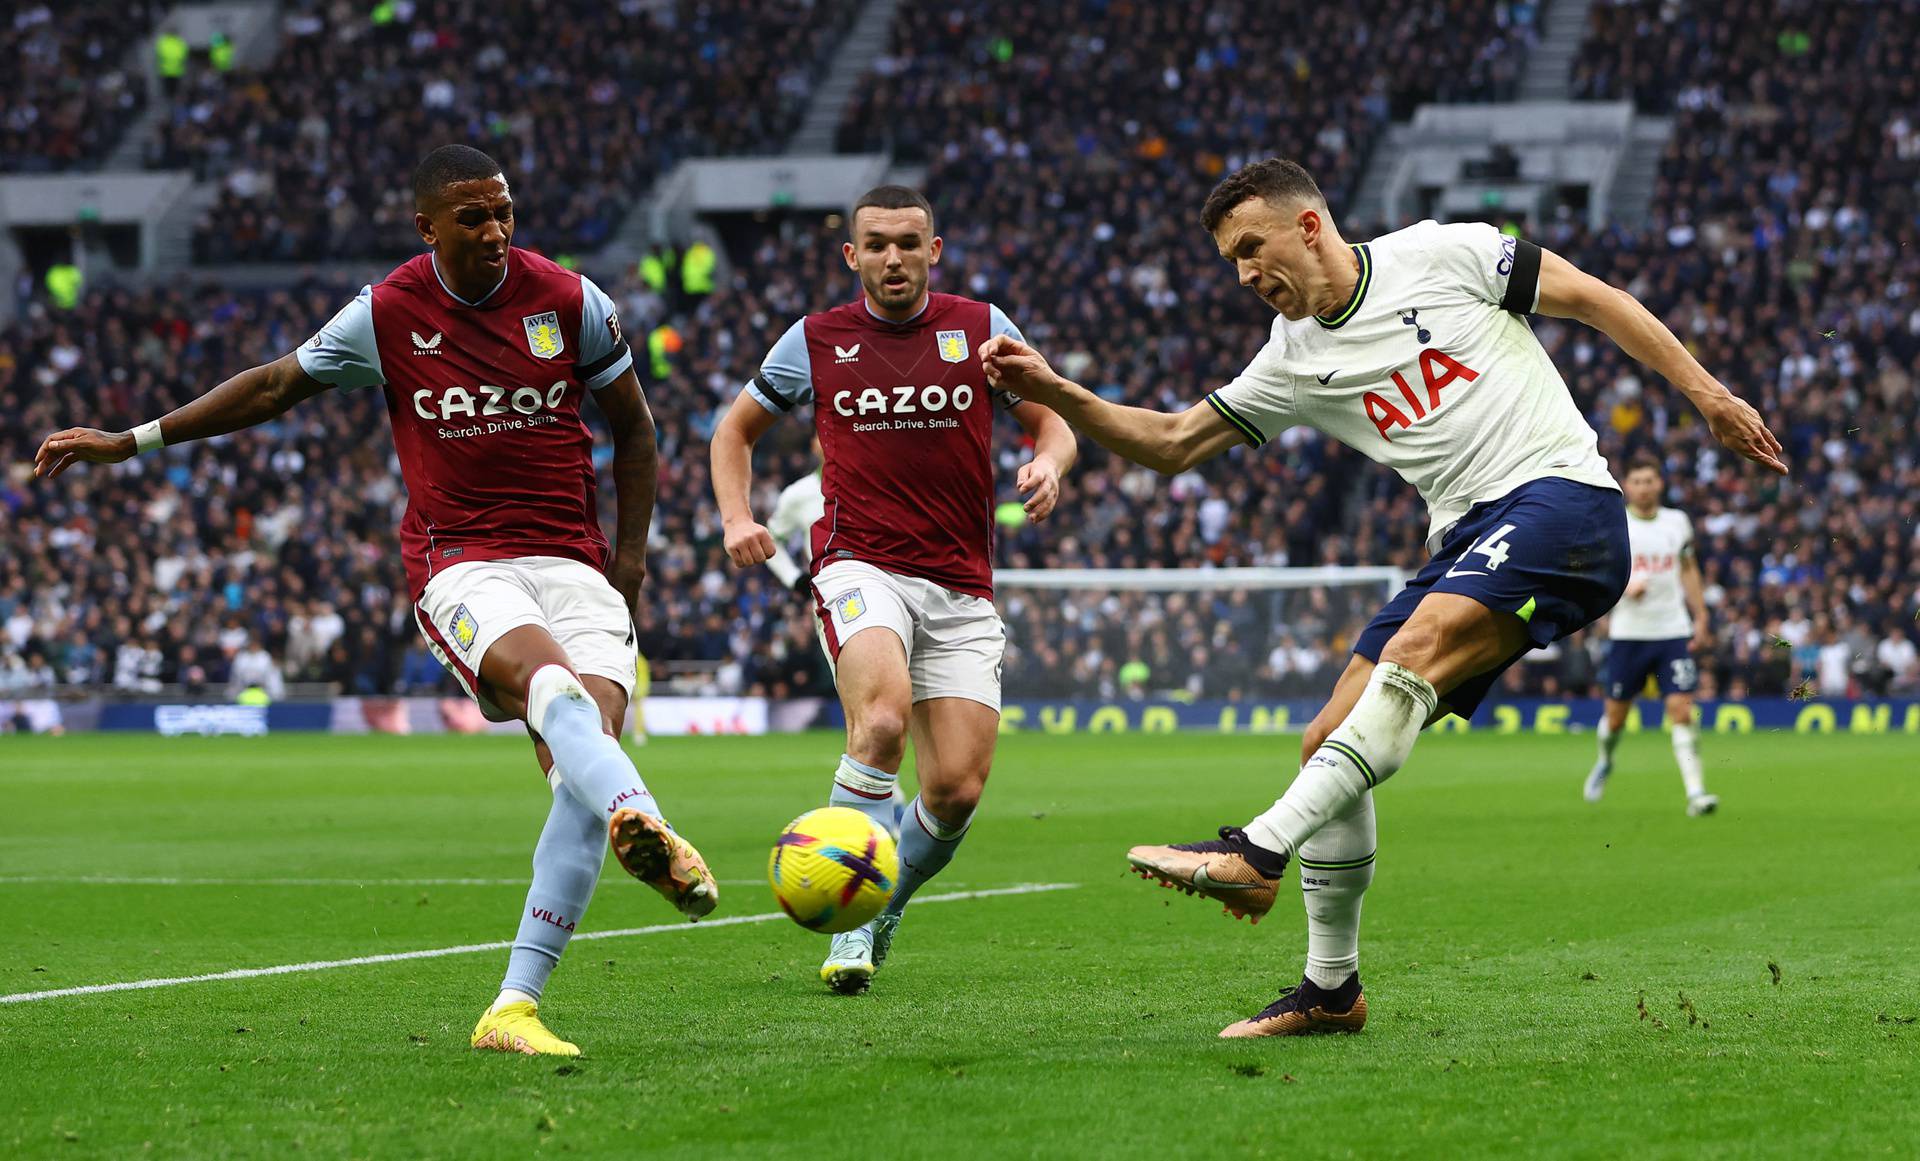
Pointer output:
953, 799
1679, 710
1414, 646
878, 733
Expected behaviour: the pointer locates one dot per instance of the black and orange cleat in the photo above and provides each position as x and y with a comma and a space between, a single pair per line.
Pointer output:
1231, 870
1307, 1010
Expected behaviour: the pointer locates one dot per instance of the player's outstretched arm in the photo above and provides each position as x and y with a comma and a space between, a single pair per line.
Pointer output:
1167, 443
1568, 292
636, 477
252, 397
748, 541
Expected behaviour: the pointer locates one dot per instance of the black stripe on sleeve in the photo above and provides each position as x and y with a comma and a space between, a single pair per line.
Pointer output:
586, 371
1253, 435
1523, 285
767, 389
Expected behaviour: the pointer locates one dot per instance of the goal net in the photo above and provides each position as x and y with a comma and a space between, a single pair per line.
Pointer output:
1203, 634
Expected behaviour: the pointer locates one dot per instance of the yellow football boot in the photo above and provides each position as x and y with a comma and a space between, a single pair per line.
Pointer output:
516, 1027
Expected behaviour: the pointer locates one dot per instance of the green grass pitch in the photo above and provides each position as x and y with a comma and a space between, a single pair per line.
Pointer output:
1511, 938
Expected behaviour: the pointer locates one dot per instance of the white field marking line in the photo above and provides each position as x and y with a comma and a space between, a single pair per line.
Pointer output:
177, 881
467, 948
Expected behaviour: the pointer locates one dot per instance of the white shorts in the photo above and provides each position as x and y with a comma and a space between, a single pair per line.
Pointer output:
471, 605
955, 643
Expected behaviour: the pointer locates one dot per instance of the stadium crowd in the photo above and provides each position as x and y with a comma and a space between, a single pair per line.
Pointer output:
67, 99
1781, 251
585, 102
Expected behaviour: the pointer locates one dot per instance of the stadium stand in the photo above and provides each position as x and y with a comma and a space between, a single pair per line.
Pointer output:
308, 146
66, 98
1782, 250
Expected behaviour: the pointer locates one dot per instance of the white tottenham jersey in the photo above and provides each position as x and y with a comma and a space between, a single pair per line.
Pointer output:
800, 505
1660, 545
1430, 368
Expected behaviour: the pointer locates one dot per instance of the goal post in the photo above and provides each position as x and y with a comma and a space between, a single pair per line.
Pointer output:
1184, 635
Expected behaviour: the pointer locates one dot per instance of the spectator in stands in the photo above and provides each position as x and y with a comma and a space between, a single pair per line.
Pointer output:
255, 668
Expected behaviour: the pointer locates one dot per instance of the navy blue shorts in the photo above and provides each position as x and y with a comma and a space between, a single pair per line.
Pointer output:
1670, 663
1552, 552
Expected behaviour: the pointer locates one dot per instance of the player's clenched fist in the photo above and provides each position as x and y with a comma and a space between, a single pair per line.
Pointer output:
748, 543
75, 445
1039, 481
1011, 365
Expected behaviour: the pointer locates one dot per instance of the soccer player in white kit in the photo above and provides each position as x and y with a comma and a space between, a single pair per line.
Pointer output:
1414, 349
800, 505
1653, 632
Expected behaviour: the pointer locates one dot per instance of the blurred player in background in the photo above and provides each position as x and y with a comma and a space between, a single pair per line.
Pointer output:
1653, 632
905, 423
486, 352
1414, 350
798, 508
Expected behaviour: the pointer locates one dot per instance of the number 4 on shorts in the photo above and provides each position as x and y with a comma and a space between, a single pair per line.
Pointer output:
1493, 546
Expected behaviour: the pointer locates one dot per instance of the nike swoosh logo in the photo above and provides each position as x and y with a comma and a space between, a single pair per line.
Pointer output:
1469, 572
1328, 377
1203, 880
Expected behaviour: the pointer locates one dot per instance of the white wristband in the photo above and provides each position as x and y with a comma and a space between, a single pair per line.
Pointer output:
146, 438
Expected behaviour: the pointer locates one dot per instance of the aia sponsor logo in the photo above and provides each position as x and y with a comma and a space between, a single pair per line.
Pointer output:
1438, 371
1652, 563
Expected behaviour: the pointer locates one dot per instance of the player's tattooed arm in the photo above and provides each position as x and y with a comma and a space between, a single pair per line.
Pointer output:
1169, 443
1568, 292
747, 540
1055, 448
250, 398
636, 475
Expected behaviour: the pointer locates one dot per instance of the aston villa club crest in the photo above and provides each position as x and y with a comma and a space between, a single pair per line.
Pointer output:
953, 345
850, 606
463, 629
543, 335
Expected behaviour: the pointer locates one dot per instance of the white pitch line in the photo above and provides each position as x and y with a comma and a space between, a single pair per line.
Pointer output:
467, 948
178, 881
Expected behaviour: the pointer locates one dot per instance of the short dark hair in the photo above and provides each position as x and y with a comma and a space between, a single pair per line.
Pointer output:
450, 165
892, 197
1647, 462
1275, 180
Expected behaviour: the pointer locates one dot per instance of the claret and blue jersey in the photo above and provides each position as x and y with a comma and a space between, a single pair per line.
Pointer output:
905, 419
485, 399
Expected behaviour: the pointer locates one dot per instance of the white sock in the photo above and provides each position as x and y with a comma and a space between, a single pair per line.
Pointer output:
869, 790
511, 996
1336, 867
1689, 760
1361, 753
1609, 738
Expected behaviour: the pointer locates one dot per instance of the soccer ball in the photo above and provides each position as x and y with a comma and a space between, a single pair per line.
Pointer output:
833, 869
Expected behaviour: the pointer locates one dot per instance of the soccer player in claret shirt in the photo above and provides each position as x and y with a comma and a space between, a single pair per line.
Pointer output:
485, 353
905, 423
1652, 633
1413, 349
